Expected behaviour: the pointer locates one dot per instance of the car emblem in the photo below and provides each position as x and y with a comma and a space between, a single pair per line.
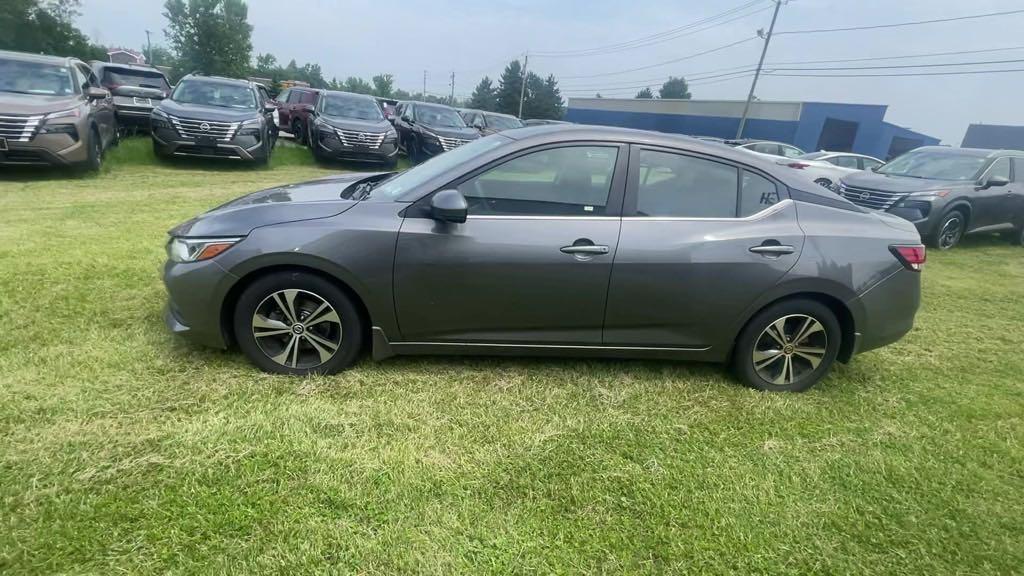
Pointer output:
864, 195
205, 126
362, 137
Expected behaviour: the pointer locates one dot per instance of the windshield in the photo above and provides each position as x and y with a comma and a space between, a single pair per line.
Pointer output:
351, 107
35, 78
214, 94
137, 78
935, 165
503, 122
401, 183
440, 117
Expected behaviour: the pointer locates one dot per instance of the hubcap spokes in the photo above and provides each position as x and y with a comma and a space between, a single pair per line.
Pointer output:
789, 349
950, 233
297, 329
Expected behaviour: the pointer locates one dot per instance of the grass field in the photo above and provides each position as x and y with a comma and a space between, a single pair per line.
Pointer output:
126, 450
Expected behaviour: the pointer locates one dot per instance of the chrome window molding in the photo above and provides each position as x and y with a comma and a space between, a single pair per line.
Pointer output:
777, 207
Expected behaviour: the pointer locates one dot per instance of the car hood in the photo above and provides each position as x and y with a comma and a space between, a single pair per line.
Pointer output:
450, 132
373, 126
898, 184
32, 104
202, 112
293, 202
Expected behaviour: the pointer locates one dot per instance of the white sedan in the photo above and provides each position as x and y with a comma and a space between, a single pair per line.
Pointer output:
826, 168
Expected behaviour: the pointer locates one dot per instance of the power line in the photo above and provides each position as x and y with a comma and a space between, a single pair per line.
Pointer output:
650, 39
673, 61
873, 58
901, 66
647, 85
950, 73
900, 24
690, 76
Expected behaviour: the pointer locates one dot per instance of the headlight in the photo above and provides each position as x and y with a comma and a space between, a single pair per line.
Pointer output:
430, 135
72, 113
196, 249
391, 134
159, 119
252, 122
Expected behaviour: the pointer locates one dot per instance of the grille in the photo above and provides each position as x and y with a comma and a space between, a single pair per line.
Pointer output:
362, 139
873, 199
195, 128
19, 128
449, 143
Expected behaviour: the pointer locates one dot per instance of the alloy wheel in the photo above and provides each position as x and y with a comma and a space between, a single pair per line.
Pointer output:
951, 231
790, 349
297, 329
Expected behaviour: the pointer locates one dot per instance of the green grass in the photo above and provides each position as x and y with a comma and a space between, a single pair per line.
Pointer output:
126, 450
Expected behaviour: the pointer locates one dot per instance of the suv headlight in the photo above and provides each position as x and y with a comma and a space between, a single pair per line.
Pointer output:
196, 249
431, 136
71, 113
251, 126
391, 134
159, 119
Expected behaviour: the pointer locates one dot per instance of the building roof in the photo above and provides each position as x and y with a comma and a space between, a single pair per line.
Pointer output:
994, 136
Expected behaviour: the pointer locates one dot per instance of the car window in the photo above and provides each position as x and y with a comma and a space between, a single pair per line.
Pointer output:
756, 194
1018, 169
568, 181
1000, 167
83, 77
283, 95
294, 96
844, 161
870, 164
790, 151
674, 185
308, 97
766, 148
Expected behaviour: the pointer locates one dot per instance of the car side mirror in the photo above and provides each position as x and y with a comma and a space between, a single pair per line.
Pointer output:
269, 107
478, 124
449, 206
97, 93
996, 181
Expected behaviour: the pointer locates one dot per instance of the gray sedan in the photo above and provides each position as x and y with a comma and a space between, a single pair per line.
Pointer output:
568, 241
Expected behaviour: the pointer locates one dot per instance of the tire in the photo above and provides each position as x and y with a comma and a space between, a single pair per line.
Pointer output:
780, 364
298, 132
412, 150
263, 157
824, 183
264, 307
159, 152
94, 161
949, 231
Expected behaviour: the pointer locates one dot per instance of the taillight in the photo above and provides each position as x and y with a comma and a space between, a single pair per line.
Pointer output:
911, 256
798, 165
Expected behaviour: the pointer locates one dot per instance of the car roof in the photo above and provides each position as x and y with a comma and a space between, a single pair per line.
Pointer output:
349, 94
487, 112
39, 58
146, 67
221, 79
430, 104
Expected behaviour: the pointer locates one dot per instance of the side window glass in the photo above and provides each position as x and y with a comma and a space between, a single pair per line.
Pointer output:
790, 152
570, 181
870, 164
766, 148
844, 161
293, 96
1018, 169
1000, 167
674, 185
82, 78
282, 96
757, 194
308, 97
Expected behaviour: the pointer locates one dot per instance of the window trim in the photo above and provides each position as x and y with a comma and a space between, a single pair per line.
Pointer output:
1009, 160
633, 186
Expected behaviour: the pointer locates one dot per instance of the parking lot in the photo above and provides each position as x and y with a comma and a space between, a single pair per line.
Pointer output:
123, 447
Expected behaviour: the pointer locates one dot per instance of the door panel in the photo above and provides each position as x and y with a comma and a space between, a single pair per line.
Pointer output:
503, 279
990, 204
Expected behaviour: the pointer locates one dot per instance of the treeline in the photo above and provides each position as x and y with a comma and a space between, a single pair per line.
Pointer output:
45, 27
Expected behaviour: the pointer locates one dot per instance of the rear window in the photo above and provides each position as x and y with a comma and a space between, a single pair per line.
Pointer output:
114, 77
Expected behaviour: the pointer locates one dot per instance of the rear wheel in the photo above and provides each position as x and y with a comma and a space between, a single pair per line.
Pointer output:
788, 347
298, 132
950, 230
298, 323
824, 182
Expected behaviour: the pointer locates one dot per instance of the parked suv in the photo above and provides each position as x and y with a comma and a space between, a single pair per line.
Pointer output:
350, 126
487, 123
53, 111
426, 130
946, 192
294, 106
214, 117
136, 88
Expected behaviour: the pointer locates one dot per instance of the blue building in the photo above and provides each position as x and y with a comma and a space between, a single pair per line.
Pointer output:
811, 126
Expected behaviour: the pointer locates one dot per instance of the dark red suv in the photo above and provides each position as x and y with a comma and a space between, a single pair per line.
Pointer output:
294, 105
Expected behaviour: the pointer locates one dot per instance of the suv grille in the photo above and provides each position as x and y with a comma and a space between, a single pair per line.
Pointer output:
449, 143
362, 139
195, 128
873, 199
19, 128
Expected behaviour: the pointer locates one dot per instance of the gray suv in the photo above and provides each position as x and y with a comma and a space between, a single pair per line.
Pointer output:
214, 117
53, 111
947, 192
567, 240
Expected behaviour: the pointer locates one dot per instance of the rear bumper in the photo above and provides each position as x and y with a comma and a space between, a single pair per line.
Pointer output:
889, 309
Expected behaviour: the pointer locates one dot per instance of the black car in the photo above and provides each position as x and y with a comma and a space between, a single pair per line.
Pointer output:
214, 117
348, 126
136, 89
487, 123
426, 130
947, 192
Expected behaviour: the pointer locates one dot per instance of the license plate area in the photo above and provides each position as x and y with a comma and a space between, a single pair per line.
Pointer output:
3, 144
142, 101
206, 141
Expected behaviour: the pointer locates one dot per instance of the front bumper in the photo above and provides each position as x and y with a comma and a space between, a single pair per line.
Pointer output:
332, 147
241, 147
195, 298
46, 150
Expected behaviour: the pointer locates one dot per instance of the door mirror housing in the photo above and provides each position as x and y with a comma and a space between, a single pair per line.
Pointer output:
449, 206
996, 181
269, 107
97, 93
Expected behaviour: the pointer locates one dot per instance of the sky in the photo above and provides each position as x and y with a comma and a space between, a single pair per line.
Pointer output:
473, 38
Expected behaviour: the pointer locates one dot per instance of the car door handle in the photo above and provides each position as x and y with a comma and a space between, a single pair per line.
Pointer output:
772, 250
584, 249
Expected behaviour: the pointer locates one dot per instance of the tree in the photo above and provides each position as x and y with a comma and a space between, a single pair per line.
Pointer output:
675, 88
383, 85
357, 85
45, 27
485, 96
645, 93
543, 99
510, 86
166, 60
213, 36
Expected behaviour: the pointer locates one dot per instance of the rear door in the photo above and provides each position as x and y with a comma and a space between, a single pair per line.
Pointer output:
701, 239
532, 261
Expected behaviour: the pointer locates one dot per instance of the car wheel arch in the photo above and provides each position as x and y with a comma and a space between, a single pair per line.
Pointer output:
231, 298
962, 206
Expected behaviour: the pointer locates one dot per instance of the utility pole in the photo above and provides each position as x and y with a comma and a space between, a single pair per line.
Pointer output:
757, 73
149, 48
423, 95
451, 99
522, 89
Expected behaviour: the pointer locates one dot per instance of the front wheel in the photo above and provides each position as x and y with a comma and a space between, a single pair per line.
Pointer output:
297, 323
788, 347
94, 161
950, 230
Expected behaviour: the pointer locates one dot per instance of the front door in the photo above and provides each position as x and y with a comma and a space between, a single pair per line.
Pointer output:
990, 204
701, 239
532, 261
